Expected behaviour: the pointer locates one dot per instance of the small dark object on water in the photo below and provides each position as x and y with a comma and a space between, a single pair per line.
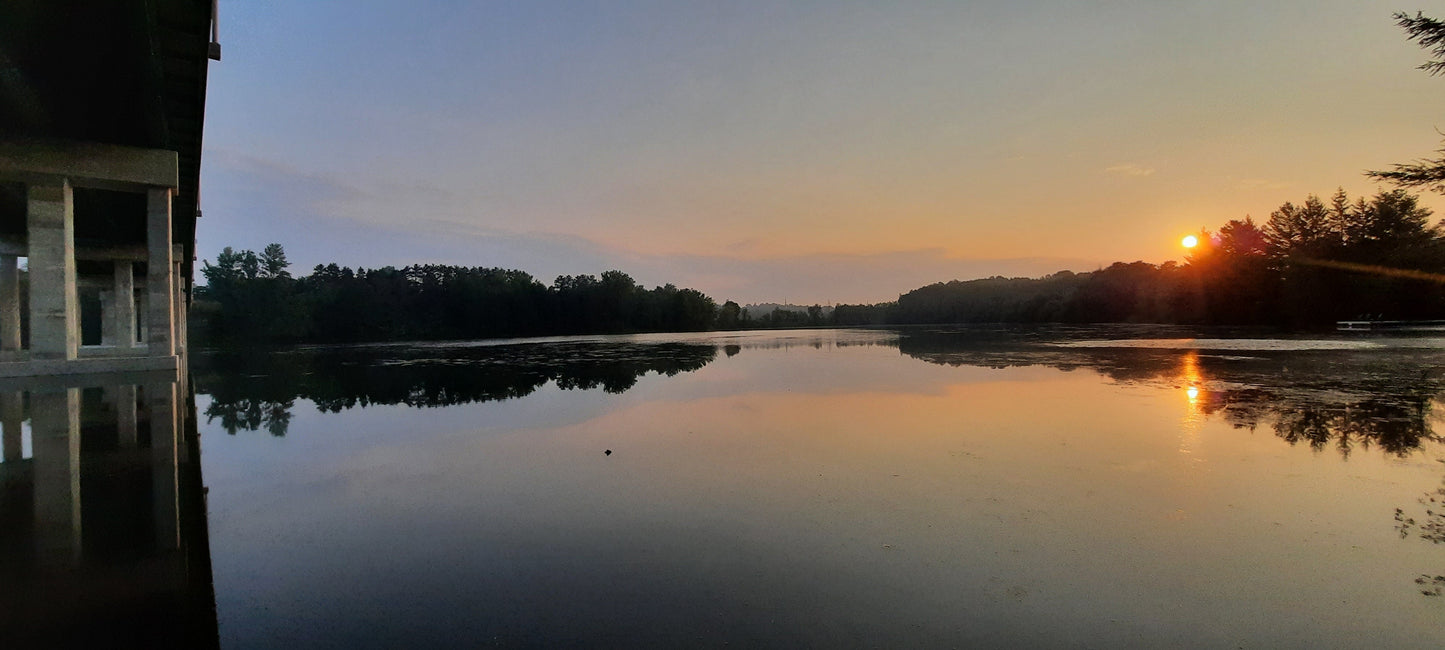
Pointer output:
607, 453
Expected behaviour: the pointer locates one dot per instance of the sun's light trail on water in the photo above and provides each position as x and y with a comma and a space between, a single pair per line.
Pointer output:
1192, 380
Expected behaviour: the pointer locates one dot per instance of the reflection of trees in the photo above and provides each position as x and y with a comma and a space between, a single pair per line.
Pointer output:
1427, 523
796, 339
1341, 398
252, 415
1394, 427
1431, 525
253, 391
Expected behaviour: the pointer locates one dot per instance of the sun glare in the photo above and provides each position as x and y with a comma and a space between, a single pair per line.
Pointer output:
1190, 241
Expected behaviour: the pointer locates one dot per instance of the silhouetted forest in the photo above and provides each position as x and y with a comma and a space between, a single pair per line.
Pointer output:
1308, 265
251, 298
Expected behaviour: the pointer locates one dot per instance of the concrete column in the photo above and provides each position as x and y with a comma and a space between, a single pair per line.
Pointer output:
120, 320
178, 301
107, 309
183, 327
9, 303
144, 303
54, 303
55, 439
160, 313
185, 323
161, 401
125, 415
12, 418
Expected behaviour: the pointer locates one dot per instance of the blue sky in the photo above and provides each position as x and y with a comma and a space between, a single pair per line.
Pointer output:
800, 151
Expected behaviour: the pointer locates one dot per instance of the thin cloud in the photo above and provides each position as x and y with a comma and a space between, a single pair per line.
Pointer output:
744, 245
263, 200
1262, 184
1129, 169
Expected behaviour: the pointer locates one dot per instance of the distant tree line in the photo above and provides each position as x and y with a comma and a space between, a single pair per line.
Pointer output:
1309, 265
252, 298
779, 318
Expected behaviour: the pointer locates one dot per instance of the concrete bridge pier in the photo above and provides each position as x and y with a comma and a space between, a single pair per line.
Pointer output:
9, 305
160, 274
51, 174
118, 305
54, 305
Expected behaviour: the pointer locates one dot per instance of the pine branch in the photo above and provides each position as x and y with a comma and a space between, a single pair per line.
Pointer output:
1429, 33
1421, 173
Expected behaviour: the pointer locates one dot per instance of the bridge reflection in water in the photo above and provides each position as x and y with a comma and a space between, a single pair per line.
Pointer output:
102, 514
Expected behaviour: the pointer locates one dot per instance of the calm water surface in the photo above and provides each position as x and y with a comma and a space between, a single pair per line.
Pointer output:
1070, 487
1123, 486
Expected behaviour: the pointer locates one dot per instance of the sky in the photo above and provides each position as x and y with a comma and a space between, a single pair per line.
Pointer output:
805, 152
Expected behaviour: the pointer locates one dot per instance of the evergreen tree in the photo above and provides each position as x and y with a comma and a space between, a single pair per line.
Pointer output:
1429, 173
273, 262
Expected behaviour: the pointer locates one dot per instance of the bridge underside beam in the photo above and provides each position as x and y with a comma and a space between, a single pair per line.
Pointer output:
88, 164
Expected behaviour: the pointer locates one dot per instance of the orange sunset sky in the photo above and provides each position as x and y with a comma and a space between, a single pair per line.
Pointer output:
799, 151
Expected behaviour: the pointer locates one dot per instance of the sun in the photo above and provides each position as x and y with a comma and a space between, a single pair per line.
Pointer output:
1190, 241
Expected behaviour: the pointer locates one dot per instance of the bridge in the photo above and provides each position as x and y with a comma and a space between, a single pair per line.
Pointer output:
101, 113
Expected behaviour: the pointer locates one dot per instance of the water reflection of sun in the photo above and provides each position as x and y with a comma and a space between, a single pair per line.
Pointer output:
1193, 382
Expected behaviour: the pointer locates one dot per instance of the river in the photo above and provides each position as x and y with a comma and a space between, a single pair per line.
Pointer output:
1090, 486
